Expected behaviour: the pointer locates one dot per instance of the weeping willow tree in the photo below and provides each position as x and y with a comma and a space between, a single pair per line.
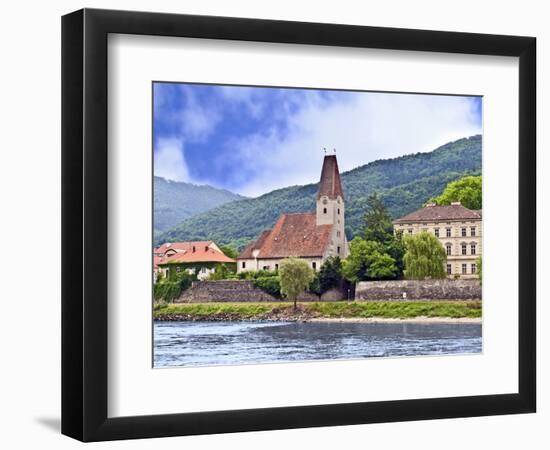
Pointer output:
296, 276
424, 257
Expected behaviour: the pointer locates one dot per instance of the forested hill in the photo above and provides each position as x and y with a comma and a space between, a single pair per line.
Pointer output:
175, 201
404, 184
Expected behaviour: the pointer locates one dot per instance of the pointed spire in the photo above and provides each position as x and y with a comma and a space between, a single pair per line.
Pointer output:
330, 184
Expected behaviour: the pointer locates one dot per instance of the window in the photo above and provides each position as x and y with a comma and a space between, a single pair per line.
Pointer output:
473, 249
243, 265
338, 250
338, 210
448, 230
449, 248
436, 232
178, 269
449, 269
472, 231
314, 264
337, 234
410, 230
464, 272
463, 231
464, 247
265, 268
203, 269
474, 268
324, 210
276, 267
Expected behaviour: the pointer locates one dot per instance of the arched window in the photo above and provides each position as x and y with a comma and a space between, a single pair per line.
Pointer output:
324, 210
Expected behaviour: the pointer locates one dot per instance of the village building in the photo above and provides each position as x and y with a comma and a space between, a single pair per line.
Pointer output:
312, 236
199, 257
459, 230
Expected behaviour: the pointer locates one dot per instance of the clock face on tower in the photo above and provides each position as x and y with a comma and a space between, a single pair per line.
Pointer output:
325, 201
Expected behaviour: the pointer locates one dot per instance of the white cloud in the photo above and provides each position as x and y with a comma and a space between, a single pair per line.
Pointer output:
198, 120
169, 160
362, 128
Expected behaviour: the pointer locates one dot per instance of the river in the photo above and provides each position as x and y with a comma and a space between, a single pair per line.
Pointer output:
221, 343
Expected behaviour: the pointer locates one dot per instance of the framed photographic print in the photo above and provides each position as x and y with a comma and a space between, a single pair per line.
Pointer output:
301, 212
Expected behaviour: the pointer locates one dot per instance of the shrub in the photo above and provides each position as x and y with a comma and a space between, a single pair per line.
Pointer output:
271, 285
170, 290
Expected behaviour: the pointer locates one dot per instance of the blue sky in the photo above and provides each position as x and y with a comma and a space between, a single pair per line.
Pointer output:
251, 140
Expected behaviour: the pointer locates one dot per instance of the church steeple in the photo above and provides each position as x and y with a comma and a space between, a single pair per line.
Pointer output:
330, 185
330, 206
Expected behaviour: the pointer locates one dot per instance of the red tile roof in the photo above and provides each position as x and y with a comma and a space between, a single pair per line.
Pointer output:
189, 252
292, 235
435, 213
199, 255
181, 246
330, 183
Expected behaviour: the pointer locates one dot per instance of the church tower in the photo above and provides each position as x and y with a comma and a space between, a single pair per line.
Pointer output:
330, 206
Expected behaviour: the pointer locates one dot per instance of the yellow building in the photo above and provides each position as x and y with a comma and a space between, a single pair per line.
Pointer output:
459, 230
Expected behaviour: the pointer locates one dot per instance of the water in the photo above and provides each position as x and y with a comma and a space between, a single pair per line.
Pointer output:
215, 343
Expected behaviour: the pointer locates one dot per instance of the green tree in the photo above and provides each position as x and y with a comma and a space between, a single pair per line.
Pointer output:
466, 190
378, 223
396, 249
424, 257
229, 251
330, 273
382, 266
295, 277
368, 260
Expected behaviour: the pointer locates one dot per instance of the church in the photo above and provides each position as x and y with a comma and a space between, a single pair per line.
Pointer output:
312, 236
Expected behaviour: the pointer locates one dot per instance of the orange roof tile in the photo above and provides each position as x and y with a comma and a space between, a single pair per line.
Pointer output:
293, 235
201, 254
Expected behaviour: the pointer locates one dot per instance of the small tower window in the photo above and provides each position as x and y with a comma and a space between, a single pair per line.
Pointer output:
243, 265
324, 210
338, 250
338, 210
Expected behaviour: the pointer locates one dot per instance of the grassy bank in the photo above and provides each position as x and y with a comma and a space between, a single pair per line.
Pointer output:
317, 310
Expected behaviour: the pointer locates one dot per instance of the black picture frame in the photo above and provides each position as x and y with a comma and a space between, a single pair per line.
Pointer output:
84, 224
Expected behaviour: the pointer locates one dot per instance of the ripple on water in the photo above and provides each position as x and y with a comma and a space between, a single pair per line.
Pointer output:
223, 343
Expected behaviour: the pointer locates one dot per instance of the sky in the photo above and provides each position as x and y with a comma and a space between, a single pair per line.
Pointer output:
252, 140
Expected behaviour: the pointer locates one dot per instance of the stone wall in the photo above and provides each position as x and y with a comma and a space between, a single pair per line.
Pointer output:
445, 289
231, 291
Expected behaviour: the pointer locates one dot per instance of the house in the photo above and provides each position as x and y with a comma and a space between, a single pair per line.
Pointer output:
312, 236
200, 257
459, 230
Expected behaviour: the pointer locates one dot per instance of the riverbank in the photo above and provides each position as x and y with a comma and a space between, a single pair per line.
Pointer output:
415, 311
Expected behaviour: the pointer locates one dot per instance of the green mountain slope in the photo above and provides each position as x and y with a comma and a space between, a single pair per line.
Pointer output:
404, 184
176, 201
